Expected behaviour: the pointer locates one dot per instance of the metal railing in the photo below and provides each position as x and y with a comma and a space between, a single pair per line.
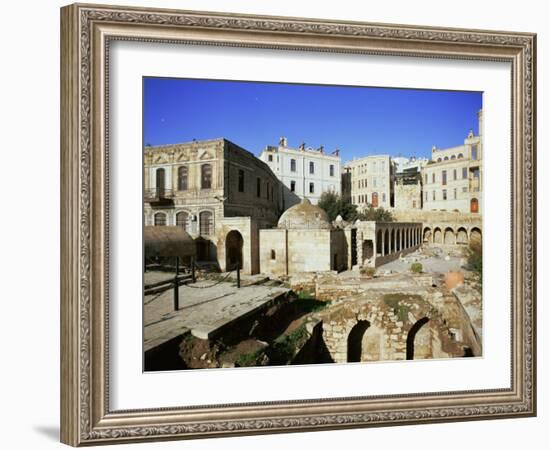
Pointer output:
158, 194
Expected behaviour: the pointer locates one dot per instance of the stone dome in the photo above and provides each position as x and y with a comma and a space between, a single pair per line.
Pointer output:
304, 215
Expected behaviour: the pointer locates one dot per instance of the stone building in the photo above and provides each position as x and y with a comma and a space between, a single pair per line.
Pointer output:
452, 180
304, 241
220, 193
304, 172
370, 181
408, 189
377, 243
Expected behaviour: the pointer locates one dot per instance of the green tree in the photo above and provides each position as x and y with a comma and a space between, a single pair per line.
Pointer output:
334, 205
375, 214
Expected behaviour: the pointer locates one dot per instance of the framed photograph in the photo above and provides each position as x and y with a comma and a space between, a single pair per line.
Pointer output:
276, 224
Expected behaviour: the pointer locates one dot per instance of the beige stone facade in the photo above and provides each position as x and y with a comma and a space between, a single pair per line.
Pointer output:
453, 179
407, 196
370, 181
220, 193
304, 241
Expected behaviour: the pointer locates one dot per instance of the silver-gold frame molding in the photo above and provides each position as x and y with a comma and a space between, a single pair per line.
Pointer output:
86, 33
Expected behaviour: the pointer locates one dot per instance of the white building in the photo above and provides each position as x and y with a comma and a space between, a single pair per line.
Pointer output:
304, 172
403, 163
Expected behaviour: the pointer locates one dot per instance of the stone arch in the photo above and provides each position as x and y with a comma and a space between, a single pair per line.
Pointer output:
160, 219
368, 249
387, 242
392, 241
438, 236
182, 220
415, 332
475, 236
233, 250
355, 341
427, 234
449, 236
461, 236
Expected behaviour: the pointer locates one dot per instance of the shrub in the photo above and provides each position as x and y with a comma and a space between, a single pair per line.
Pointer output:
416, 267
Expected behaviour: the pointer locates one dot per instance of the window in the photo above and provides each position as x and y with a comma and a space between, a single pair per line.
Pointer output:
426, 178
273, 255
433, 196
383, 197
426, 195
241, 180
183, 172
311, 188
311, 167
293, 165
438, 159
453, 157
444, 177
206, 223
160, 219
460, 155
454, 174
206, 176
433, 177
374, 182
444, 194
414, 204
464, 189
455, 193
446, 158
160, 182
270, 158
181, 219
464, 173
382, 166
293, 186
331, 170
258, 187
474, 152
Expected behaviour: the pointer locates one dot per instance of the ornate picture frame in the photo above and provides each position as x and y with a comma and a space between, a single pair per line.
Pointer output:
86, 34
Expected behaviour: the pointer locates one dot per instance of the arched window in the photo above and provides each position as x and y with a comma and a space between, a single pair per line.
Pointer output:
460, 155
206, 223
206, 176
453, 157
160, 219
182, 219
183, 173
446, 158
438, 159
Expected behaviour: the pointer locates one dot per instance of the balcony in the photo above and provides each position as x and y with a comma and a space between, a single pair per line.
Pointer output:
159, 197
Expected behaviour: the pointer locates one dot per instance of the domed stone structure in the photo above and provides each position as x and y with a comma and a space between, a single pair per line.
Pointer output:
304, 216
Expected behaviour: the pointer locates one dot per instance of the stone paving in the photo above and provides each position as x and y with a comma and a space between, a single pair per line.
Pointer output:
430, 264
204, 309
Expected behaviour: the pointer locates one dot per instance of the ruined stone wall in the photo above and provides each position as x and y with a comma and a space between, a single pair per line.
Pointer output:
339, 250
408, 196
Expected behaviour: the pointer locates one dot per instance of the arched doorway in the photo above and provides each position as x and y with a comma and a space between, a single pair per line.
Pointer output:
461, 236
182, 220
233, 250
355, 339
423, 335
475, 237
438, 236
449, 237
375, 199
474, 205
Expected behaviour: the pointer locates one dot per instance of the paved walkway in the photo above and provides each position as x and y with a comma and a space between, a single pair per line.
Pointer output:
205, 309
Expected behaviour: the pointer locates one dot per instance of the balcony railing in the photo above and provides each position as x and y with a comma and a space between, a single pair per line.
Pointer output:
156, 195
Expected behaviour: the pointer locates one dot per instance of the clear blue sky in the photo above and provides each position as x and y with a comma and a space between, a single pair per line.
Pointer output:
357, 120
